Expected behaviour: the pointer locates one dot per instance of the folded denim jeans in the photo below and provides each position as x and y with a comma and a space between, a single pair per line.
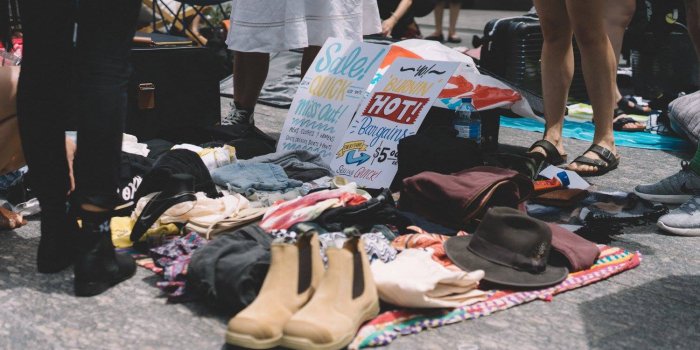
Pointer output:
298, 164
249, 178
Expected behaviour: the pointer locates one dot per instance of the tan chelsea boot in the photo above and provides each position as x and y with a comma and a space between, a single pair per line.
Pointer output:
295, 272
346, 297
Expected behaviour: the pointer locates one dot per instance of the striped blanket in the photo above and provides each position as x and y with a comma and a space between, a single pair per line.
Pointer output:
392, 324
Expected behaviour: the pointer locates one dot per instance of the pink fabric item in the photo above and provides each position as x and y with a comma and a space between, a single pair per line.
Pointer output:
291, 212
580, 253
423, 239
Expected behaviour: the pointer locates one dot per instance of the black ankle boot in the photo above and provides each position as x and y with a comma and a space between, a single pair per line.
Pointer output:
58, 242
98, 266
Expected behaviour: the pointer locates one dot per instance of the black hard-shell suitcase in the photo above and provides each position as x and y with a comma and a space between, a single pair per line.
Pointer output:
172, 88
512, 48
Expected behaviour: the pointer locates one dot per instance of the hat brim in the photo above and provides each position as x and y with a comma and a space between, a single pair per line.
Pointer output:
456, 248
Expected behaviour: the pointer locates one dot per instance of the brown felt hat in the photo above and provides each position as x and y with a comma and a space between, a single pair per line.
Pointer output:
512, 249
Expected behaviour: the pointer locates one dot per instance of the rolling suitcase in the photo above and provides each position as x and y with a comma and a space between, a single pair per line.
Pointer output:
511, 50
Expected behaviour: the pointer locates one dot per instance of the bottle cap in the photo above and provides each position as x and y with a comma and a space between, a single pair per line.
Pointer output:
564, 178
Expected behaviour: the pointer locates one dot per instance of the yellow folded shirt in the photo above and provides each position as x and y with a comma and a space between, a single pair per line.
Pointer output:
121, 231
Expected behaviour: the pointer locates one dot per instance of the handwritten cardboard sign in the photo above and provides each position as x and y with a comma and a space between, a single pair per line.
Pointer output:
328, 96
396, 108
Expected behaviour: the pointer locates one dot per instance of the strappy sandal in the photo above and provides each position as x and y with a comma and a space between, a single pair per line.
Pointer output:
551, 156
624, 105
619, 124
607, 162
439, 38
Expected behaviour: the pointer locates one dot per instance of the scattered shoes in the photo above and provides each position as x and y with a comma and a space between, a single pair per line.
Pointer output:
441, 38
683, 221
675, 189
301, 307
98, 266
346, 298
238, 116
294, 275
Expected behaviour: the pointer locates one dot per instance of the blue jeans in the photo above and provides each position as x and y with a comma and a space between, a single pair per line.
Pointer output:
249, 178
86, 79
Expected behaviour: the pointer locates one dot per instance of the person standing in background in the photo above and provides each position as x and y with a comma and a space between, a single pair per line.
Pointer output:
455, 6
618, 15
682, 187
398, 19
76, 60
561, 20
261, 27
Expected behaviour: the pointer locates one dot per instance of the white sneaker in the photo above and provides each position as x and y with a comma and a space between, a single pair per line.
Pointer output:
684, 221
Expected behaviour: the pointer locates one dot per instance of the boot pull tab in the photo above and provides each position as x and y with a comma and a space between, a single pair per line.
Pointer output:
354, 244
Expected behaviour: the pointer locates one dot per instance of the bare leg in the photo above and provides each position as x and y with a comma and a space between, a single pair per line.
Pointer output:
618, 14
454, 15
557, 67
439, 10
598, 63
249, 74
308, 58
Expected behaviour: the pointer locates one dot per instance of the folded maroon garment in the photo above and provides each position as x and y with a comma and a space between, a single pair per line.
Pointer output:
462, 198
580, 253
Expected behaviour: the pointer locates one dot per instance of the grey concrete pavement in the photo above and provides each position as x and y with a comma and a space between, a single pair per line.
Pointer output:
653, 306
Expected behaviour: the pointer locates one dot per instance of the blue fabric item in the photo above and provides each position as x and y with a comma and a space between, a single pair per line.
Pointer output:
584, 131
248, 178
10, 179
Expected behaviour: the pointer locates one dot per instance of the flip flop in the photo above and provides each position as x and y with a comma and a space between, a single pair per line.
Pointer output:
624, 105
440, 38
552, 155
619, 124
607, 162
454, 39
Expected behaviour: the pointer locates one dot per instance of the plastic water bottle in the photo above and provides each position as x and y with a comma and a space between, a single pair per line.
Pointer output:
468, 121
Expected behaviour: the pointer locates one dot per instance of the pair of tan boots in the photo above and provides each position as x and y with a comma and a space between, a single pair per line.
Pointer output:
302, 307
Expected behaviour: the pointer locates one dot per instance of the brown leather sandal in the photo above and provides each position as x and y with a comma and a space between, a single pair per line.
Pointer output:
608, 161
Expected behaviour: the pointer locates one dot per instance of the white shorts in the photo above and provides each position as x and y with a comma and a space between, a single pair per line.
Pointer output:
280, 25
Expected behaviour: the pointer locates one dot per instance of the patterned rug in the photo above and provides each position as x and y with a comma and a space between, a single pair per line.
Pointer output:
390, 325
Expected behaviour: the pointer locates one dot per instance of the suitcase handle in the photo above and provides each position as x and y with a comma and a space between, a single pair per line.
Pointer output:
146, 96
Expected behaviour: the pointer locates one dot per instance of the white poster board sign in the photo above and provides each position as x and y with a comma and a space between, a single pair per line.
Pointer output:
395, 109
328, 96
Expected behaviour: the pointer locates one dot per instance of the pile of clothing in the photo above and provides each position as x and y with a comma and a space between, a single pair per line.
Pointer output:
302, 258
279, 234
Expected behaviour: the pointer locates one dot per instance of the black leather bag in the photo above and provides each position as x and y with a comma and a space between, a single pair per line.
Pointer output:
436, 149
172, 87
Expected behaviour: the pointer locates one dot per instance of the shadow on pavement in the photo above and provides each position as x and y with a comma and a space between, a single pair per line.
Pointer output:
18, 267
662, 314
